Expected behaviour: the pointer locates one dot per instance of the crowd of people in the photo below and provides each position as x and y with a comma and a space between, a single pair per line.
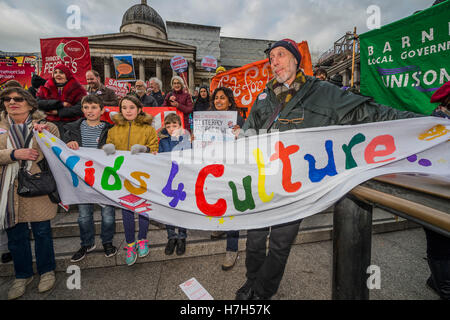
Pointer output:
73, 113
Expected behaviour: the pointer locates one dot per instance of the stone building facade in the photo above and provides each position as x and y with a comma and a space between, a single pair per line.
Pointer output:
153, 43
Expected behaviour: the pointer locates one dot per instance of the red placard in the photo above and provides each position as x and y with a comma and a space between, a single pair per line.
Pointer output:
120, 88
18, 72
158, 114
73, 52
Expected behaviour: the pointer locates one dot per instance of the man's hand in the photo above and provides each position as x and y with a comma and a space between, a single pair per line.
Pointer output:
52, 113
73, 145
66, 104
26, 154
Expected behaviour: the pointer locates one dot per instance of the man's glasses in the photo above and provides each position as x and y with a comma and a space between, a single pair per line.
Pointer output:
16, 99
295, 120
286, 121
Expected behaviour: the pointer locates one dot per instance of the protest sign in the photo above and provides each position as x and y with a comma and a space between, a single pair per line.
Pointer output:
249, 81
405, 62
209, 63
259, 181
120, 88
18, 72
124, 67
73, 52
158, 113
210, 126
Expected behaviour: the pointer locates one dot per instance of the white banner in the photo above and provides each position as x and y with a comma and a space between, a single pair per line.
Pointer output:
252, 182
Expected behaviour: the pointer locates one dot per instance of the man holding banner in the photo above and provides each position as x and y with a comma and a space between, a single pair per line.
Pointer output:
295, 101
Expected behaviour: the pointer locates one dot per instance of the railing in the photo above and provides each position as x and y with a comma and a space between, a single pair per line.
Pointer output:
422, 200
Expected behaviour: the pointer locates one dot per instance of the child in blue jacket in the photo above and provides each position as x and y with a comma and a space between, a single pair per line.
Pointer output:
171, 138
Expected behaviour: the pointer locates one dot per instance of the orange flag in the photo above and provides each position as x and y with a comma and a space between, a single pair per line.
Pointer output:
248, 81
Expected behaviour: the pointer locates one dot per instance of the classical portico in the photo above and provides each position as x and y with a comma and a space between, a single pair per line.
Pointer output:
151, 56
142, 34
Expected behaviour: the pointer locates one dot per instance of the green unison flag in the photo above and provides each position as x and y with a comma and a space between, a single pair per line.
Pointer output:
405, 62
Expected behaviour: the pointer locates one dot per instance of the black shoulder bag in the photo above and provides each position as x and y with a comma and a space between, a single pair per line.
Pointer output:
35, 185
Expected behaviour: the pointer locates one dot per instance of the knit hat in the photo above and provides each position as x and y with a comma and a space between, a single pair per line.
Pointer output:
291, 46
441, 93
64, 69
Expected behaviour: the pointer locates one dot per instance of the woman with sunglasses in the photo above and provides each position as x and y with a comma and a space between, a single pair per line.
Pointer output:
60, 97
18, 118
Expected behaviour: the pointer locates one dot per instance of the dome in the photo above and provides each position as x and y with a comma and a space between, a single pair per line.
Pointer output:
143, 14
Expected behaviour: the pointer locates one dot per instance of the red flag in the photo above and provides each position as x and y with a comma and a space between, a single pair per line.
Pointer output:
73, 52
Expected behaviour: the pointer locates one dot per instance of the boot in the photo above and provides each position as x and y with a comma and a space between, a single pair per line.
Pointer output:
440, 277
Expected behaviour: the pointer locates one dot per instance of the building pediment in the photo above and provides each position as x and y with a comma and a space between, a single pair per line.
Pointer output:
134, 40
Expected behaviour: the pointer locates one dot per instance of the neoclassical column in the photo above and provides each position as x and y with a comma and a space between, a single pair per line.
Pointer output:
107, 67
191, 77
158, 69
142, 69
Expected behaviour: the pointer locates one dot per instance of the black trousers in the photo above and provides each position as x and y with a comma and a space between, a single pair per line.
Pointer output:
438, 246
265, 270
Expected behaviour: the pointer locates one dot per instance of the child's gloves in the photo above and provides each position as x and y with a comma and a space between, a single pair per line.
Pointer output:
109, 149
137, 148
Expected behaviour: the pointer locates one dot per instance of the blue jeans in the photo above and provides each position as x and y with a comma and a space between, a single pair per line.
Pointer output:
232, 240
129, 227
20, 247
87, 227
171, 234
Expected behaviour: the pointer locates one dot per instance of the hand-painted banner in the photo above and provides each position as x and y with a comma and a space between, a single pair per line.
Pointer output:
15, 71
405, 62
73, 52
248, 81
252, 182
158, 114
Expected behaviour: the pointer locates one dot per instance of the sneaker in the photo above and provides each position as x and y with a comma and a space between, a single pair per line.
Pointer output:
181, 246
218, 234
143, 249
230, 260
47, 281
245, 292
80, 254
131, 254
110, 250
6, 257
18, 288
170, 247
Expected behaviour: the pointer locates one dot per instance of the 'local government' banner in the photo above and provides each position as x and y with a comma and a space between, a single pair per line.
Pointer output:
248, 81
251, 182
73, 52
405, 62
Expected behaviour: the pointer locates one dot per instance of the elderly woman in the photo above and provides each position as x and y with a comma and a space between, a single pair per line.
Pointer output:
156, 93
60, 97
179, 99
17, 121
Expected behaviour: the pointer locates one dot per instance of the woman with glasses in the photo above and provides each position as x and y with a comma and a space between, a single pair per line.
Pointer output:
60, 97
179, 99
17, 120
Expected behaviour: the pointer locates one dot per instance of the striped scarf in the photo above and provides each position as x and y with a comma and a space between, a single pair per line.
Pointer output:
17, 136
285, 94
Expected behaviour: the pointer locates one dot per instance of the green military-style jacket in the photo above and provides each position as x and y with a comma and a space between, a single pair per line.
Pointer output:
320, 104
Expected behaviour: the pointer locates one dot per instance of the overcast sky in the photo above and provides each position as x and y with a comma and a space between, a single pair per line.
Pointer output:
320, 22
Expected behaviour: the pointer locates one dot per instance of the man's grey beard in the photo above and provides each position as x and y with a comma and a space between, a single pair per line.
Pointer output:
140, 92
